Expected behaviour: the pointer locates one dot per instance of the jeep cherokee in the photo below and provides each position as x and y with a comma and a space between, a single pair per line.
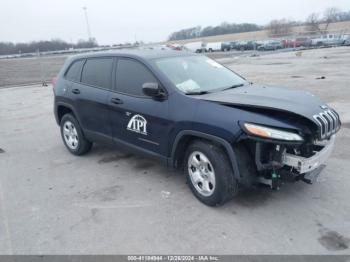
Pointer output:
194, 114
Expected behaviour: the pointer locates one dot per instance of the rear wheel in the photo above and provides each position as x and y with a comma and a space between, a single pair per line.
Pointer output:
73, 137
209, 173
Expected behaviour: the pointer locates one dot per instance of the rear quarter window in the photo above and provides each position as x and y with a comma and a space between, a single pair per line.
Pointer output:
97, 72
73, 72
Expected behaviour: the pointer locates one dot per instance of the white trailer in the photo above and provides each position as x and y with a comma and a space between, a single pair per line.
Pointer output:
213, 47
197, 47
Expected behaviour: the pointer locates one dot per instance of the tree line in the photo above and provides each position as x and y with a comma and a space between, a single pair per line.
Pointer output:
8, 48
223, 28
277, 27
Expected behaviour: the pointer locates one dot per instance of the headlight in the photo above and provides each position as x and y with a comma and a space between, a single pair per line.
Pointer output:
272, 133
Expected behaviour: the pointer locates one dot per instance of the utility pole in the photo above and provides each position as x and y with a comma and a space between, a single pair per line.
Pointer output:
87, 23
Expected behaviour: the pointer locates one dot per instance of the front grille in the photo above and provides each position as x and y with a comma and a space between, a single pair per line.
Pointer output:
328, 122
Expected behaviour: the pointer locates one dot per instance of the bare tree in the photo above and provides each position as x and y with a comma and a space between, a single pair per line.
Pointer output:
313, 23
223, 28
330, 15
280, 27
8, 48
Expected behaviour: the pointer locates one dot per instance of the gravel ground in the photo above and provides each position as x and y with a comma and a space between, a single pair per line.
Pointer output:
111, 201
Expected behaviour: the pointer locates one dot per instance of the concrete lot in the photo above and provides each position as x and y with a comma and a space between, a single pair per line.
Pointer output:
110, 201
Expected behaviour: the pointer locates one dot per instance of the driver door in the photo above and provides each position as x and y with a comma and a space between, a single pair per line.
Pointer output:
137, 119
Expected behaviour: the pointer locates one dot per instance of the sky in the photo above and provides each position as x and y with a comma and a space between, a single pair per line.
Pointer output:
120, 21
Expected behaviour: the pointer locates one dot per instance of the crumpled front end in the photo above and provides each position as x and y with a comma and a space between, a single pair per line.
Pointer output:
277, 161
302, 165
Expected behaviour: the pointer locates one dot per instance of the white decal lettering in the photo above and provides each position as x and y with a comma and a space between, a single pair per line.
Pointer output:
138, 124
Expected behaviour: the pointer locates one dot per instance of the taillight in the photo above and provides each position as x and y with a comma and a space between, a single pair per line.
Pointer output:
53, 81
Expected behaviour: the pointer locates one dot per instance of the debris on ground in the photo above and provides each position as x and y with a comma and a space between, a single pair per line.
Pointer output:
296, 76
165, 194
299, 53
321, 77
2, 150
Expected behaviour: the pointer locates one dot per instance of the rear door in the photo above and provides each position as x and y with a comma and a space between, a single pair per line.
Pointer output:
91, 93
71, 76
135, 118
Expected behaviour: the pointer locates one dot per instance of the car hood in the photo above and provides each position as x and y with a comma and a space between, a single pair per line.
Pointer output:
255, 96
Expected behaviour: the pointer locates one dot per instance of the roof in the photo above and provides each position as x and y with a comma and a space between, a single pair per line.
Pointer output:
147, 54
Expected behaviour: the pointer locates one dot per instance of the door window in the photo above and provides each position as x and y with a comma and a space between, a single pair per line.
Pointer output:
97, 72
73, 73
131, 75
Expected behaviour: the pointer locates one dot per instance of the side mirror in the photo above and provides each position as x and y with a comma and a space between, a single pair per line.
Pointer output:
152, 90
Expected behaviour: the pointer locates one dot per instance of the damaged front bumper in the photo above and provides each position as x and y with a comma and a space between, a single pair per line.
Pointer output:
305, 165
277, 162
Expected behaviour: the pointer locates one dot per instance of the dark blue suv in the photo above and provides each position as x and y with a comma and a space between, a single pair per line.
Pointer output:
194, 114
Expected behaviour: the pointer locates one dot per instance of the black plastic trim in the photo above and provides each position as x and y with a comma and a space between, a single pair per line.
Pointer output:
228, 147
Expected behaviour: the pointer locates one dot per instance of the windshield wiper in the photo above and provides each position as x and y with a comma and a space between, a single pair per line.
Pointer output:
197, 93
233, 86
212, 91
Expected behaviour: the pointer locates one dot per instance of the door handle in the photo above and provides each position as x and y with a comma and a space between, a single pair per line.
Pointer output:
76, 91
116, 101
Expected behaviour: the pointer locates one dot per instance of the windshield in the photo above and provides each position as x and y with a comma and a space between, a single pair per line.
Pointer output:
198, 74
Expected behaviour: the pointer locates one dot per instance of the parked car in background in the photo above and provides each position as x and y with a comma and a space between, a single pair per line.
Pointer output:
156, 47
227, 46
247, 45
301, 42
347, 41
241, 45
196, 47
271, 45
213, 47
176, 47
287, 43
328, 40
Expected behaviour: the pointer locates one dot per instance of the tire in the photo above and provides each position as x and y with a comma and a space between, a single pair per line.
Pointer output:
73, 137
209, 173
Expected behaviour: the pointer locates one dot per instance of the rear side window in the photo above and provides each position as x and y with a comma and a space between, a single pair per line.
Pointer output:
73, 73
131, 75
97, 72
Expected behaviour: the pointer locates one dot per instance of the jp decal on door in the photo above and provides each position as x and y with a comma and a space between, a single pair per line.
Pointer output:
138, 124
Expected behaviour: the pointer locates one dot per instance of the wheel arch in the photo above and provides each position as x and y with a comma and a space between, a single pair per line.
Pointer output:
63, 109
185, 137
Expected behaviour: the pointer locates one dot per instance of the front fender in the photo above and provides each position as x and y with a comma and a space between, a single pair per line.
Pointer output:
226, 145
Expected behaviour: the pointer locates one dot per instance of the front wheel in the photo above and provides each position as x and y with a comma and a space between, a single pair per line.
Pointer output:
209, 173
73, 137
